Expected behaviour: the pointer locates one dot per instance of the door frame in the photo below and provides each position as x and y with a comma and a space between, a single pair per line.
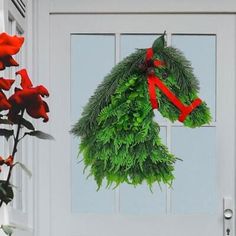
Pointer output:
44, 9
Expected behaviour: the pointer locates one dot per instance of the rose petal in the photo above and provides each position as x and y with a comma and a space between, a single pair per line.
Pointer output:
38, 109
22, 97
25, 80
42, 90
7, 61
6, 84
46, 106
2, 66
11, 61
10, 45
4, 104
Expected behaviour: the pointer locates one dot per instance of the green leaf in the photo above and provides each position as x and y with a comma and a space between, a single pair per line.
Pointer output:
6, 192
7, 133
27, 124
139, 120
132, 81
40, 135
133, 95
24, 122
5, 122
159, 43
27, 171
2, 190
7, 229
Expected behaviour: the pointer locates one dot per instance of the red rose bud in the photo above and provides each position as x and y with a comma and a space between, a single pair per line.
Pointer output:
9, 161
9, 45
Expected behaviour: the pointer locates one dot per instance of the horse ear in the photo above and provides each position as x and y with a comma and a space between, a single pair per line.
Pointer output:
159, 43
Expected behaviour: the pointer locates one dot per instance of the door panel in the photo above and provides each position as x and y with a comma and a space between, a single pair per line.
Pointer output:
197, 148
194, 205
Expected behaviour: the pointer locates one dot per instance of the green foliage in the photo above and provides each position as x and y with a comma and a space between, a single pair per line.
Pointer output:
27, 171
180, 68
7, 133
125, 146
40, 134
6, 192
27, 124
7, 229
159, 43
119, 139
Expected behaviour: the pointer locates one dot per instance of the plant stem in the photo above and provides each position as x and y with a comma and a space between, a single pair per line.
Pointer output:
16, 140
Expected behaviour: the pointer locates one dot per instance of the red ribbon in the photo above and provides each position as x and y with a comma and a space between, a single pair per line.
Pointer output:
154, 81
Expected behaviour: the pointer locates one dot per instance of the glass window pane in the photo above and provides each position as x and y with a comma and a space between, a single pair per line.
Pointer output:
201, 51
92, 57
130, 42
195, 186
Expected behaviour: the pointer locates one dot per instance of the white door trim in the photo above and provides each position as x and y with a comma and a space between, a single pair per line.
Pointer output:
147, 7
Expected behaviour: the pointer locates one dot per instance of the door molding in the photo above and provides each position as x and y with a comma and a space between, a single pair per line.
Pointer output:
149, 6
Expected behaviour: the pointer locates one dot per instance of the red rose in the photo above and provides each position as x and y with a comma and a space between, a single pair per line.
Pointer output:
5, 84
28, 98
9, 45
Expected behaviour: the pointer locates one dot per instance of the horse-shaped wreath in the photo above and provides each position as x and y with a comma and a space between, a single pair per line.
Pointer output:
119, 139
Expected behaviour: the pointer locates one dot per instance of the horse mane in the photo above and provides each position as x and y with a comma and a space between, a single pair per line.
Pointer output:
102, 95
181, 68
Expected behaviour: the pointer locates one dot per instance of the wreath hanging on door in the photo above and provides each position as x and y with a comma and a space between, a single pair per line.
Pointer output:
119, 139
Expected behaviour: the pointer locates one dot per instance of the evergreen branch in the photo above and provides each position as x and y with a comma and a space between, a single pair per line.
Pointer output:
181, 68
105, 90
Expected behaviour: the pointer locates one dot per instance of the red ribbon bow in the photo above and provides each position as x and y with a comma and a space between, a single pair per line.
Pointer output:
154, 81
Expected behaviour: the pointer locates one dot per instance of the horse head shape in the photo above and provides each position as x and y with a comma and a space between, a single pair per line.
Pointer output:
119, 139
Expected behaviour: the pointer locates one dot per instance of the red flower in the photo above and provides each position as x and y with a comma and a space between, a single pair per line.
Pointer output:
9, 161
9, 45
5, 84
28, 98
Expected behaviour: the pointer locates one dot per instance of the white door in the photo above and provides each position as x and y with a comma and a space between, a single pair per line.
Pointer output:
84, 47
